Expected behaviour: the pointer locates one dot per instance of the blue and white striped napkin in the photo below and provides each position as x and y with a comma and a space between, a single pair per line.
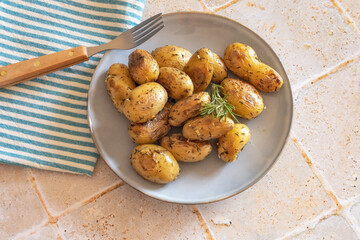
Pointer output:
43, 122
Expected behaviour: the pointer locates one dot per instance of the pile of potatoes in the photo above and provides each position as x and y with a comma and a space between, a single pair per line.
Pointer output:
141, 92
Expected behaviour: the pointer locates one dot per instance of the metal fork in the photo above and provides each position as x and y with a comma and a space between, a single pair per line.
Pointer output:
32, 68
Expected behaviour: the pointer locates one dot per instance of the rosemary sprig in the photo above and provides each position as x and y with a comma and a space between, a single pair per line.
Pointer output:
218, 107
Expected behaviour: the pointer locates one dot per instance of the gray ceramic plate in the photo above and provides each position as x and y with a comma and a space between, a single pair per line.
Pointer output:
211, 179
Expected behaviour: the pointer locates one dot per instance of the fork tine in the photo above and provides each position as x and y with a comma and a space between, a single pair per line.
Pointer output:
147, 37
142, 24
139, 35
147, 28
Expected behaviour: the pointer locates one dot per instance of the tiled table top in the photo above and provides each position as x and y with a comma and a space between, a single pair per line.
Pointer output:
312, 192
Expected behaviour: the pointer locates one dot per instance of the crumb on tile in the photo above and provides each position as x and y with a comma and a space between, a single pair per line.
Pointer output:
221, 221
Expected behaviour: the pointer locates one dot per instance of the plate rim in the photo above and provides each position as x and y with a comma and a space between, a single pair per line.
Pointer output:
256, 180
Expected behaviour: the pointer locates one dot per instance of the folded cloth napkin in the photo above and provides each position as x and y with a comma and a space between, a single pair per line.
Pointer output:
43, 122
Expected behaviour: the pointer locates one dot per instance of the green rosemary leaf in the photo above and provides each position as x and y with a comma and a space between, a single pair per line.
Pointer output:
218, 107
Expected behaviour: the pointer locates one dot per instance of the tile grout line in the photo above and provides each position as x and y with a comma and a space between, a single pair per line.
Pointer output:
36, 228
204, 6
60, 236
352, 221
326, 185
343, 207
345, 15
355, 200
42, 201
321, 217
54, 219
226, 5
349, 217
351, 202
330, 71
334, 69
340, 207
308, 225
30, 231
50, 217
89, 200
203, 225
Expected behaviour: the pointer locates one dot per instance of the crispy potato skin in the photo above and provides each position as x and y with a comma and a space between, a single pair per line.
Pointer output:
154, 163
143, 67
247, 101
243, 62
171, 56
145, 102
200, 69
177, 83
187, 108
220, 69
118, 69
206, 127
233, 142
186, 150
119, 84
152, 130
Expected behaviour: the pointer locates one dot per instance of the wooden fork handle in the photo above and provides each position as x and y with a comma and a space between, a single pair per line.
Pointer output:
32, 68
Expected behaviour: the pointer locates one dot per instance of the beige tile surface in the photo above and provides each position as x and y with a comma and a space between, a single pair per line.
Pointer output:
334, 227
156, 6
46, 233
127, 214
352, 9
214, 4
287, 196
20, 208
61, 190
355, 211
327, 124
309, 36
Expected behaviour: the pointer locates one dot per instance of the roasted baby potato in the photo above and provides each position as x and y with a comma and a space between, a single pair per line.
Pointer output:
243, 62
233, 142
187, 108
152, 130
171, 56
119, 84
154, 163
145, 102
244, 97
143, 67
186, 150
206, 127
200, 69
177, 83
220, 69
